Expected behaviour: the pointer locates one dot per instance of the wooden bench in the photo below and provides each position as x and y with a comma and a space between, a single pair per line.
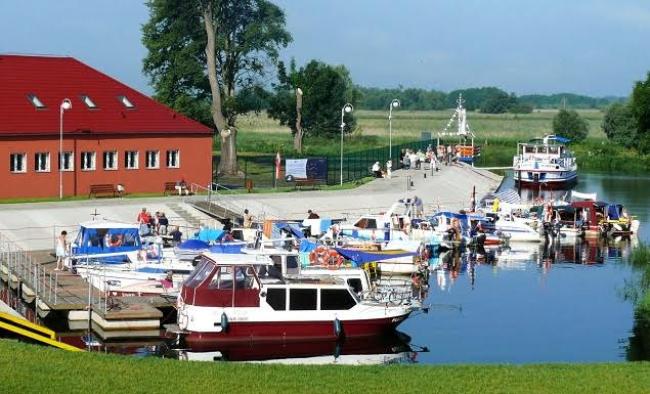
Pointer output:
170, 188
104, 189
301, 182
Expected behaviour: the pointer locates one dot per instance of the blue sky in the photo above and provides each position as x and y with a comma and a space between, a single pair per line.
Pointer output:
597, 47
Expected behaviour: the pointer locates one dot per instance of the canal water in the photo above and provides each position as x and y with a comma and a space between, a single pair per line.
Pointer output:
539, 303
525, 303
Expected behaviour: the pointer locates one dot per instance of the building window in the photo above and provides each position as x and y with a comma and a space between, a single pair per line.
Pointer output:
173, 159
42, 162
66, 161
110, 160
131, 160
153, 161
18, 162
126, 102
87, 161
36, 102
89, 102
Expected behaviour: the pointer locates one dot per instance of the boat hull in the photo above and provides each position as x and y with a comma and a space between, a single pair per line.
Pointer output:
293, 331
545, 179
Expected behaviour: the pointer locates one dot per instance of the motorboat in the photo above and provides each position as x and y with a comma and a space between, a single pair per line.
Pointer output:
545, 163
227, 299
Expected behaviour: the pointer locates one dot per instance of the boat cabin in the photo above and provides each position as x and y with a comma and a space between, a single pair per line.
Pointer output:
104, 237
243, 281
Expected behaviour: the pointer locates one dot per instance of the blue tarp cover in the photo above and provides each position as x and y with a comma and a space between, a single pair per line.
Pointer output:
193, 244
107, 240
294, 229
306, 245
363, 256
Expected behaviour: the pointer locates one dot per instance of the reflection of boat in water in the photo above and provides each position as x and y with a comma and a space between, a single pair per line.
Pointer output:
389, 349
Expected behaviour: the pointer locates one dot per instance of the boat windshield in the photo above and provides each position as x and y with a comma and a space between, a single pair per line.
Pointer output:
200, 274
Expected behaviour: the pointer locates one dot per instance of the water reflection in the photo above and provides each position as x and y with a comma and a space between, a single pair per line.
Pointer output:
389, 349
522, 256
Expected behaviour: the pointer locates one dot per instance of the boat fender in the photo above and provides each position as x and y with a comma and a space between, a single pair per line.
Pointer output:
224, 322
338, 328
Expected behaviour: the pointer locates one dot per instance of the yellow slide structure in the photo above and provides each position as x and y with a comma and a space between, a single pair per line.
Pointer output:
32, 331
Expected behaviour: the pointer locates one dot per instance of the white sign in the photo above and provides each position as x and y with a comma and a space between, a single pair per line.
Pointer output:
296, 168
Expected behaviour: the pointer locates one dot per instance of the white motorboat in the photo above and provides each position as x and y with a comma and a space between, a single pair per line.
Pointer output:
226, 300
545, 162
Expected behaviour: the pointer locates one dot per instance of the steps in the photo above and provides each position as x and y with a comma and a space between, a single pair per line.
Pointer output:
187, 213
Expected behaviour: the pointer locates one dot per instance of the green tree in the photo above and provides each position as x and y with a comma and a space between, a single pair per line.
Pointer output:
620, 125
571, 125
325, 90
206, 59
640, 106
498, 103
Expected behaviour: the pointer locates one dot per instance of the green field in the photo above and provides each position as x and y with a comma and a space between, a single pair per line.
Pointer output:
31, 369
408, 125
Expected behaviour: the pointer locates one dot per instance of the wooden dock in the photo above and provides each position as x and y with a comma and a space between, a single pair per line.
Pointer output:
33, 276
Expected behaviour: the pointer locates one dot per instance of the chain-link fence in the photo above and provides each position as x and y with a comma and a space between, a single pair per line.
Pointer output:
259, 171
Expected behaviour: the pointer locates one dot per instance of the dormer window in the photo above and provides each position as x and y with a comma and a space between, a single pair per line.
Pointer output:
126, 102
89, 102
36, 102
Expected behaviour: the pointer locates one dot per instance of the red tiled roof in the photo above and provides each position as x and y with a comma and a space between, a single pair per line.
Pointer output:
52, 79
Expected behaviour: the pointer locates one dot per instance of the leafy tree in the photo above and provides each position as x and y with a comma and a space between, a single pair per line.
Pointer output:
571, 125
206, 57
325, 90
620, 125
520, 108
640, 107
498, 103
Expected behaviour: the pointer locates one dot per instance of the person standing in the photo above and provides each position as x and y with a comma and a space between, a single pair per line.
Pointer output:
61, 250
389, 169
248, 219
143, 221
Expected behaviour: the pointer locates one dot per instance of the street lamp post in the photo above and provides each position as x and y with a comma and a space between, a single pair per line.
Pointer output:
347, 108
66, 104
393, 104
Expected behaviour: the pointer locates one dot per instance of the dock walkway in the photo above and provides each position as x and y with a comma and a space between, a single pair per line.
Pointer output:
33, 276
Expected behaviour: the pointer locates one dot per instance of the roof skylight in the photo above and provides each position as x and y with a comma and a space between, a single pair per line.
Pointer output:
36, 102
88, 101
126, 102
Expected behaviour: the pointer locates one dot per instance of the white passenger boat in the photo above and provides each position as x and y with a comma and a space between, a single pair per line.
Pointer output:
226, 300
545, 162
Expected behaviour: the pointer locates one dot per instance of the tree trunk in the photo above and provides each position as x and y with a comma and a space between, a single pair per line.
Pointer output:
297, 139
227, 133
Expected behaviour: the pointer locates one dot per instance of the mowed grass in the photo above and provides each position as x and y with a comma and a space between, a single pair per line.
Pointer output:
31, 369
407, 125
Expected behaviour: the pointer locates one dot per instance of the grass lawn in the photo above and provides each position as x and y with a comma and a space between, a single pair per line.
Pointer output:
32, 369
407, 125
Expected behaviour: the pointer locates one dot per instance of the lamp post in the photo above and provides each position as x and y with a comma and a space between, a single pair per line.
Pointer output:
393, 104
347, 108
66, 104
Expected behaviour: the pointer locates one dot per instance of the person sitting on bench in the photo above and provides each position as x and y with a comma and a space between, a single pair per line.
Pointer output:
376, 170
181, 187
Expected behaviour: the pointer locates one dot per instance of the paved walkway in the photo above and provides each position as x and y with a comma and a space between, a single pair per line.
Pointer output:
450, 188
34, 226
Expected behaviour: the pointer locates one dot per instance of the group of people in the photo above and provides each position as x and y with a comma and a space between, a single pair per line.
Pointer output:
412, 159
378, 172
156, 224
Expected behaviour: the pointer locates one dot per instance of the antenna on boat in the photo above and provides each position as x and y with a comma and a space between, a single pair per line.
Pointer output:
95, 214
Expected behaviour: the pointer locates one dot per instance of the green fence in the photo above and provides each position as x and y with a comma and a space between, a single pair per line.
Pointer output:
260, 169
